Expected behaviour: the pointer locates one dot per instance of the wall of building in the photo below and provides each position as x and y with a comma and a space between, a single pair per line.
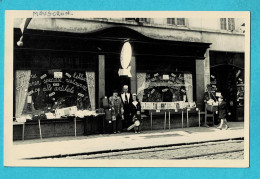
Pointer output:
199, 30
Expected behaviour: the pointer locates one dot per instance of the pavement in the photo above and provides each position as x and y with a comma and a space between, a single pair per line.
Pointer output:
69, 146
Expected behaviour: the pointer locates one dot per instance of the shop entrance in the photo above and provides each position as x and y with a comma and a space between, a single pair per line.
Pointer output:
112, 80
230, 84
227, 75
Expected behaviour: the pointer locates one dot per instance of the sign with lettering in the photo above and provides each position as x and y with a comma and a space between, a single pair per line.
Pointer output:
57, 74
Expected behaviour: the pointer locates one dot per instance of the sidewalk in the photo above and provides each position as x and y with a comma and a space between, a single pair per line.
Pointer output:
107, 142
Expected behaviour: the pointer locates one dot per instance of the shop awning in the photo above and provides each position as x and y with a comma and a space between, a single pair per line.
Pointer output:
108, 41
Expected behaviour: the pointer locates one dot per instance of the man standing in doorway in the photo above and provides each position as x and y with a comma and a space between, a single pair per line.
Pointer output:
127, 100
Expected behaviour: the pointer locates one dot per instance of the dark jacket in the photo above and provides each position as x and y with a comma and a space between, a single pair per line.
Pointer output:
105, 104
127, 105
222, 110
135, 110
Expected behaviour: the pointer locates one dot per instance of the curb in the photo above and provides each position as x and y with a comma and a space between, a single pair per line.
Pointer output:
132, 148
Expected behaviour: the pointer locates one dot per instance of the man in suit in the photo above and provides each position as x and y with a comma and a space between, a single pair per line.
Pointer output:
127, 100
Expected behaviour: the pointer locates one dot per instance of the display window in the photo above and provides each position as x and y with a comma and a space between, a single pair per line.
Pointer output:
41, 91
165, 87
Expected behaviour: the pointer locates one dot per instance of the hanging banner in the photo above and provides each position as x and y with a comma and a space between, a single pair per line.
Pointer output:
125, 59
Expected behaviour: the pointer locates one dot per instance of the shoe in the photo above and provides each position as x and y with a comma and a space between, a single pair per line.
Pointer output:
227, 128
114, 132
220, 128
139, 132
118, 132
135, 132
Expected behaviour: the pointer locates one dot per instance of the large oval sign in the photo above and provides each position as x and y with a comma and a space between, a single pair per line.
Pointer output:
126, 55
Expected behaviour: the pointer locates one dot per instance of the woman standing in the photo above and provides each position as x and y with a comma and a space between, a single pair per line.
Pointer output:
135, 108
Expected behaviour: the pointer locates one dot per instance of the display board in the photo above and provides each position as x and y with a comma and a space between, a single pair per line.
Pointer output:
167, 105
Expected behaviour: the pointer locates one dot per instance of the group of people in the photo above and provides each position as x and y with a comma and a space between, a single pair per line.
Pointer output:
122, 111
222, 110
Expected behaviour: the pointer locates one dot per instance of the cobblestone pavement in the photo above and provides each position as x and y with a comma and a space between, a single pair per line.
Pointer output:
232, 149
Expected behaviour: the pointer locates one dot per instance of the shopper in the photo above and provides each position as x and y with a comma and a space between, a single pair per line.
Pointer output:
222, 113
127, 99
106, 105
117, 112
135, 113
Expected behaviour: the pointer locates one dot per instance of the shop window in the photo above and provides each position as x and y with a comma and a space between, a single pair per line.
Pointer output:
165, 87
176, 21
227, 24
44, 91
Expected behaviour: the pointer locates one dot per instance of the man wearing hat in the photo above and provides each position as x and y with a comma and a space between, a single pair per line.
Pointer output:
127, 99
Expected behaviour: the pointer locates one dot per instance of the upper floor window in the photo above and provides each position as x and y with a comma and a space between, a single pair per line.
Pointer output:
144, 20
227, 23
176, 21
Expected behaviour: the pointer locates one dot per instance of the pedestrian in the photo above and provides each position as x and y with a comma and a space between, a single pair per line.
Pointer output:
117, 112
135, 113
222, 113
127, 99
106, 105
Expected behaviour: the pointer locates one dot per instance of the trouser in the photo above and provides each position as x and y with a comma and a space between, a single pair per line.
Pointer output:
117, 124
108, 127
137, 129
127, 120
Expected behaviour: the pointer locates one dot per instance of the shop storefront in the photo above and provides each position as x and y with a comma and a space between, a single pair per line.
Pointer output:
227, 77
58, 70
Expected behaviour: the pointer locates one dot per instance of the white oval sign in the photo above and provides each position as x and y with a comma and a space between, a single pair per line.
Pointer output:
126, 55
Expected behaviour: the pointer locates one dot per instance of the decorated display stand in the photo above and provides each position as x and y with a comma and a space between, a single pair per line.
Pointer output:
179, 107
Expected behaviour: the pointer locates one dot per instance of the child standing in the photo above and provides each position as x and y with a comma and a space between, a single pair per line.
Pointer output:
222, 113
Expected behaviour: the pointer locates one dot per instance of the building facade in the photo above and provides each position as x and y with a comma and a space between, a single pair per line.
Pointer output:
172, 59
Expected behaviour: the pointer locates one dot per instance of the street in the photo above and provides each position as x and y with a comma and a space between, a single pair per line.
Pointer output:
231, 149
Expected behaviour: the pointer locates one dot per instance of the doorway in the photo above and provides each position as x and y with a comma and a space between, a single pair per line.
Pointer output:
112, 80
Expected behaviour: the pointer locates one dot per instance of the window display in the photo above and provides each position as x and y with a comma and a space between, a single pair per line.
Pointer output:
165, 87
46, 91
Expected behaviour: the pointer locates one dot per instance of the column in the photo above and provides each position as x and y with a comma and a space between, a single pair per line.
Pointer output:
133, 81
202, 78
101, 77
207, 69
200, 83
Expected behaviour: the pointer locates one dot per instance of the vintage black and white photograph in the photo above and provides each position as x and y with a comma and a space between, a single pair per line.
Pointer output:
133, 89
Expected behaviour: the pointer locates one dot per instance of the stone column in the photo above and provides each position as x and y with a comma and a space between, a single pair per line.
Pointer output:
101, 77
202, 78
207, 69
133, 81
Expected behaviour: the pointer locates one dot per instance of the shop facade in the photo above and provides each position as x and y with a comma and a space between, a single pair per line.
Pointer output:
65, 67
